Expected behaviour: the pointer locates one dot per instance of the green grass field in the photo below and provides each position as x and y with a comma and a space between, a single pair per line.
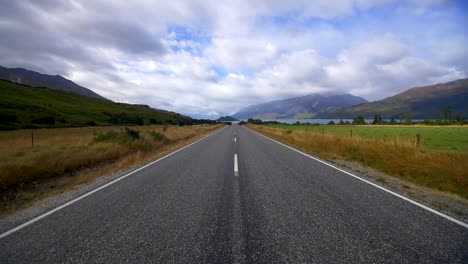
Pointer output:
444, 138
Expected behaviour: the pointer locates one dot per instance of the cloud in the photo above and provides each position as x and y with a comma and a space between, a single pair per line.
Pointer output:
209, 57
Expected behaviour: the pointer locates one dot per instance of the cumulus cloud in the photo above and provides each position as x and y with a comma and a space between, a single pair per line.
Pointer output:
207, 58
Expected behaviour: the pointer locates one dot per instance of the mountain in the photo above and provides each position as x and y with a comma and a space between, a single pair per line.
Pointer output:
421, 102
27, 107
226, 119
309, 106
35, 79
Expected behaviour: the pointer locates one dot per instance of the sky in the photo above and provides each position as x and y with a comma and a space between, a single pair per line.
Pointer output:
206, 58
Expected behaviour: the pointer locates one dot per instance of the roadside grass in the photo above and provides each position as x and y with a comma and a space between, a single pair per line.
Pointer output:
438, 138
64, 157
441, 170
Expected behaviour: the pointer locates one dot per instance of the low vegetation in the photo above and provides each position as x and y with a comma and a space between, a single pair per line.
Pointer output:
26, 107
28, 157
393, 150
433, 138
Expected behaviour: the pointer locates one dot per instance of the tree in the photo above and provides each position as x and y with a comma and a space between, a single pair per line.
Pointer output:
406, 118
377, 120
447, 111
459, 118
359, 120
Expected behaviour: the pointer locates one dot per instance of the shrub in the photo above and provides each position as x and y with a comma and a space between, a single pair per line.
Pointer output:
359, 120
90, 123
133, 134
5, 118
48, 120
124, 118
157, 136
153, 121
106, 136
254, 121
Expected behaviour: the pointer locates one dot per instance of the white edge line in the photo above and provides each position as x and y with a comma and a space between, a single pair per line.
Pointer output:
236, 166
465, 225
11, 231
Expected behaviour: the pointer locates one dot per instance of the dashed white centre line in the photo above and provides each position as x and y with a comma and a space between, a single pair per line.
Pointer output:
235, 139
236, 167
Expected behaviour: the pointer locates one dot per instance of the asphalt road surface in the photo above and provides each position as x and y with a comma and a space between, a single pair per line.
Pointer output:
283, 207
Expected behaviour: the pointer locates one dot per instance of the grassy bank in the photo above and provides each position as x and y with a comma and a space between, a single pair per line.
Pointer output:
396, 155
434, 138
65, 153
26, 107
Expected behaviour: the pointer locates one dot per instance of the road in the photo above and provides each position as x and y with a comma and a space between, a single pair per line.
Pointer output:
283, 207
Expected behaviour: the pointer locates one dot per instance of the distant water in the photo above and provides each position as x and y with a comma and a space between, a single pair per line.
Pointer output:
311, 121
324, 121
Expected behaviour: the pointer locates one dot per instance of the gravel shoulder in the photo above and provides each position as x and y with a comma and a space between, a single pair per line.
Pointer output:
447, 203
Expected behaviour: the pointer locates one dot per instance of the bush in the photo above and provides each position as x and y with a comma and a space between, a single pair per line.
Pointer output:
47, 120
124, 118
254, 121
123, 136
157, 136
106, 136
90, 123
359, 120
133, 134
5, 118
153, 121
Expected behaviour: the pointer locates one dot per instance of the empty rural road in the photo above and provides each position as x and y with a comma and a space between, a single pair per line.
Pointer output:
283, 207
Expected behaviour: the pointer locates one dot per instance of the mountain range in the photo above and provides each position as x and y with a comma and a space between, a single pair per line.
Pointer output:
309, 106
419, 102
35, 79
226, 119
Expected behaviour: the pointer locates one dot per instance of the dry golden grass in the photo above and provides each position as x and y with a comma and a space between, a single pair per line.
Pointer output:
75, 152
444, 171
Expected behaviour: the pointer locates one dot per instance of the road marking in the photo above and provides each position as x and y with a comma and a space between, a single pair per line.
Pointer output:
235, 139
236, 167
465, 225
11, 231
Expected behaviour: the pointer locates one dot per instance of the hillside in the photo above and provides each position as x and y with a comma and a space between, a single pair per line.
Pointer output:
26, 107
421, 102
35, 79
309, 106
226, 119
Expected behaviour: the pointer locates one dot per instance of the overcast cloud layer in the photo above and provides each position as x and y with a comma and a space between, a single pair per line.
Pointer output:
211, 57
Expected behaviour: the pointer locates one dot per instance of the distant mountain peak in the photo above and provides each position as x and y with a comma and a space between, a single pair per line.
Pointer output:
226, 119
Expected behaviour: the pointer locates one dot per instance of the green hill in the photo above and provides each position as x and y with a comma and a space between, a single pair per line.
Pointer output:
420, 102
22, 106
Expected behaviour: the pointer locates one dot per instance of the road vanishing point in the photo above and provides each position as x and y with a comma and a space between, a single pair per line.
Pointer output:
238, 197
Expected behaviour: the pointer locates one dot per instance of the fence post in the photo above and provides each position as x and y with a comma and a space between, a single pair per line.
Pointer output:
351, 132
32, 138
94, 133
418, 142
